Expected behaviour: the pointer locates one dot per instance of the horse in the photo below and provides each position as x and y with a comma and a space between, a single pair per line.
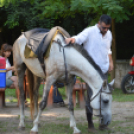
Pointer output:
63, 64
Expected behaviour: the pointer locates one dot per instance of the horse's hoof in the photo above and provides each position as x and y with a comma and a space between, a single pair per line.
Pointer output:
33, 132
103, 127
21, 128
106, 128
92, 130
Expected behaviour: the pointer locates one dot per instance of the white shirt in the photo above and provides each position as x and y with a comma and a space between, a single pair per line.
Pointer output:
8, 73
98, 46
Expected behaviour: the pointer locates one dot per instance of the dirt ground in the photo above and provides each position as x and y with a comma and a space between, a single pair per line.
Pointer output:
123, 117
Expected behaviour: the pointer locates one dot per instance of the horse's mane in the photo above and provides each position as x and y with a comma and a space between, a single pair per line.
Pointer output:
85, 54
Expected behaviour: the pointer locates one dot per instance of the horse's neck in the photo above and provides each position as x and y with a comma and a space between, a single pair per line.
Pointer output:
81, 67
77, 65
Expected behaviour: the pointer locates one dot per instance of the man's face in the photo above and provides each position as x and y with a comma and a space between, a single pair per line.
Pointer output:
103, 27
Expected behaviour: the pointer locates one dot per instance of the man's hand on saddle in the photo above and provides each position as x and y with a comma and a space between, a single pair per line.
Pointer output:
70, 40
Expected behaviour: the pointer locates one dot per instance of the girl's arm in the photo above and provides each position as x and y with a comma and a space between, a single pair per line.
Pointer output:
10, 68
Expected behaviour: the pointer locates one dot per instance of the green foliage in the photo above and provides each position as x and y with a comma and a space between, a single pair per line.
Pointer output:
8, 2
33, 13
118, 10
26, 14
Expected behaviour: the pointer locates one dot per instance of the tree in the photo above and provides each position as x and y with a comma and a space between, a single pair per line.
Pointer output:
26, 14
119, 10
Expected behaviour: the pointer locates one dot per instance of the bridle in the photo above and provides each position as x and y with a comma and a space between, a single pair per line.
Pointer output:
100, 92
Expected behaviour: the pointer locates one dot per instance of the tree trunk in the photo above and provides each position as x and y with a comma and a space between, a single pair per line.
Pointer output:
113, 49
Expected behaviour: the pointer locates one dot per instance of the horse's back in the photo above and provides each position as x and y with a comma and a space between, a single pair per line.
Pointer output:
32, 64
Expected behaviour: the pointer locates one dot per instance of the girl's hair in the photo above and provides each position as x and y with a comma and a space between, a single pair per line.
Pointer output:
5, 47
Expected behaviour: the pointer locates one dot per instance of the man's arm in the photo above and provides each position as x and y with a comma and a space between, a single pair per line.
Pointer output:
70, 40
111, 66
80, 38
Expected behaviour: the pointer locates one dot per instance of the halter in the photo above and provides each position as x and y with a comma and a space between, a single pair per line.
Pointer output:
100, 92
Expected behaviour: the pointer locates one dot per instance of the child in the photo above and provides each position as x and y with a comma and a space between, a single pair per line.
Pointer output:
11, 81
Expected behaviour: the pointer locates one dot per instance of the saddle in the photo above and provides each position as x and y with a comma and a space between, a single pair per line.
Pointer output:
35, 42
39, 42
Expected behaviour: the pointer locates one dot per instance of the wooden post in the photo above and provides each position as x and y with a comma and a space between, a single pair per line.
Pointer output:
2, 97
79, 88
81, 98
50, 98
113, 49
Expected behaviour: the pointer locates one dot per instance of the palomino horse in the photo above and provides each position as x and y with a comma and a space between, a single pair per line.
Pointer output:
72, 59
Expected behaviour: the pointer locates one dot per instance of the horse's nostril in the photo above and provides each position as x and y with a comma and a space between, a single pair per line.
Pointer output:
105, 101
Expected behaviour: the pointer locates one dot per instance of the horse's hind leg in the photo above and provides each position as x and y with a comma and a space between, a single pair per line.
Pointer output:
71, 109
37, 81
21, 72
43, 104
20, 68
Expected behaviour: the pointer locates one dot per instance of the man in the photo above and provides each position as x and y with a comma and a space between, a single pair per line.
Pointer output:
97, 41
57, 98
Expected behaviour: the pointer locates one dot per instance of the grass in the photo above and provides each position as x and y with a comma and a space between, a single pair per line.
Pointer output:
119, 96
52, 127
10, 92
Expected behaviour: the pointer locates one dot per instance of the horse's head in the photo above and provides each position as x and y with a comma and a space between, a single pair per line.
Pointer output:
102, 103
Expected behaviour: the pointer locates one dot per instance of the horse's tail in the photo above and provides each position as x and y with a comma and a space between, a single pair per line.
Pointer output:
30, 78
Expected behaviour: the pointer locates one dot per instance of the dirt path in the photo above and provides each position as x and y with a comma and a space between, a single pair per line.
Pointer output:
123, 112
119, 110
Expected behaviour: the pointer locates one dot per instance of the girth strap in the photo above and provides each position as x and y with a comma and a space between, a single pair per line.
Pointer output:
65, 63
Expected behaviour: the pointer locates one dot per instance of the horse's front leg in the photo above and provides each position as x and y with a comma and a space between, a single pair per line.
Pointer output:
42, 106
71, 109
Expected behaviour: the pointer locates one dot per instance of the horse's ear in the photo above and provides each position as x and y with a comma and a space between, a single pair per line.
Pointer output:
104, 85
111, 83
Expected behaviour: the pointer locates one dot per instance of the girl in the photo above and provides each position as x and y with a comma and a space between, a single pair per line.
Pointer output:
11, 81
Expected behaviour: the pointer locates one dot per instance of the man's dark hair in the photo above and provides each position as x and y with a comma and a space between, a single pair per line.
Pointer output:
106, 19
